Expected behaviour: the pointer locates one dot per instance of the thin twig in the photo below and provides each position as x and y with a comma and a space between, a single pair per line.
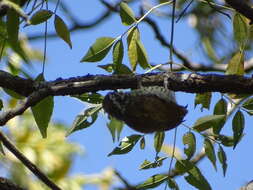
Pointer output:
33, 168
164, 43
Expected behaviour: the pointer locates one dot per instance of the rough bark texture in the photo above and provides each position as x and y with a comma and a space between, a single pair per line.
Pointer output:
6, 184
190, 82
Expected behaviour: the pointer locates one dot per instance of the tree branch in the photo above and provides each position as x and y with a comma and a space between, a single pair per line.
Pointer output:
33, 168
6, 184
242, 7
20, 85
191, 83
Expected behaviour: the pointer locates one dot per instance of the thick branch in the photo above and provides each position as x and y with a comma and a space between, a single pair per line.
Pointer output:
6, 184
242, 7
191, 83
20, 85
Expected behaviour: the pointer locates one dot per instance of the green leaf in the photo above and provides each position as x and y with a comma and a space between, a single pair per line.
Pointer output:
153, 181
13, 94
236, 64
132, 38
12, 27
62, 30
157, 163
92, 98
98, 50
226, 140
142, 143
43, 110
172, 184
190, 141
1, 105
238, 126
241, 29
13, 33
81, 121
123, 69
206, 122
196, 179
220, 109
42, 113
183, 166
115, 127
118, 53
208, 46
248, 104
142, 55
158, 141
204, 99
126, 145
209, 150
223, 159
40, 16
126, 14
108, 67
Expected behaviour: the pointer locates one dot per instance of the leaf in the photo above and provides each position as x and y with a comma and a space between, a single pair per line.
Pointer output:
147, 164
226, 140
190, 141
223, 159
172, 184
126, 14
220, 108
13, 33
132, 38
142, 143
248, 104
204, 99
123, 69
238, 126
142, 55
208, 46
115, 127
1, 104
108, 67
183, 166
62, 30
43, 110
42, 113
40, 16
118, 53
12, 27
153, 181
13, 94
92, 98
126, 145
236, 64
196, 179
158, 141
206, 122
81, 121
241, 29
209, 150
98, 50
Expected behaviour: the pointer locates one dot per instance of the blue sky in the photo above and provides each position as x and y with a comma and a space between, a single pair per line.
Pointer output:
63, 62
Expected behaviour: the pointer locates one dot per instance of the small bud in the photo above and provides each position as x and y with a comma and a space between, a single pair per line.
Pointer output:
147, 110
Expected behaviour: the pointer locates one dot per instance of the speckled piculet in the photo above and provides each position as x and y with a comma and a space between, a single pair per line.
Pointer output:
147, 110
